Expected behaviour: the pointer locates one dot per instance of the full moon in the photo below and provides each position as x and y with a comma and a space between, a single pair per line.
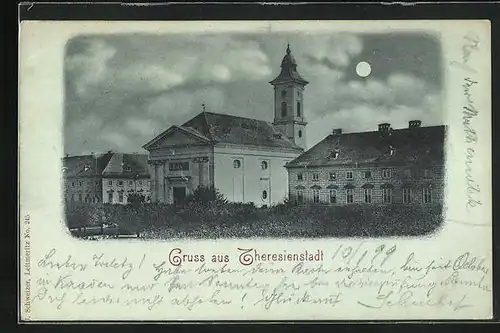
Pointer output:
363, 69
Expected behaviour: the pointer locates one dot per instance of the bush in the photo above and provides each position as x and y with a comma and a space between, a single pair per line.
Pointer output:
206, 213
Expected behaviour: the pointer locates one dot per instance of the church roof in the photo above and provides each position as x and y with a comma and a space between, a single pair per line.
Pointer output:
224, 128
213, 128
289, 70
108, 164
407, 146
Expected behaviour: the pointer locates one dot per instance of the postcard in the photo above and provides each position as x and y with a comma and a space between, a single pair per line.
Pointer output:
255, 170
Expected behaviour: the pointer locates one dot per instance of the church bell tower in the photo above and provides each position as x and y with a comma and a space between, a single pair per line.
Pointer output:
289, 101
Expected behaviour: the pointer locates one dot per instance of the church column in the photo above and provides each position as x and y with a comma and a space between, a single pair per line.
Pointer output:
152, 179
202, 170
161, 181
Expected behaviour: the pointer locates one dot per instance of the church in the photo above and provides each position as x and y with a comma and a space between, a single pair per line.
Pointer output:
243, 158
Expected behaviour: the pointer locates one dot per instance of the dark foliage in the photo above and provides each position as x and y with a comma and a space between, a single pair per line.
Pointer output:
207, 214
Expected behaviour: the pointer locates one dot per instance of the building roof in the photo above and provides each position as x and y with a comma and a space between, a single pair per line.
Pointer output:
289, 70
407, 146
222, 128
110, 164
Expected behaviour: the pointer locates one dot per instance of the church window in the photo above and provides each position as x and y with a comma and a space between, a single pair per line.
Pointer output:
283, 109
110, 196
348, 175
264, 194
236, 164
110, 182
298, 110
120, 197
315, 176
300, 133
264, 165
300, 176
120, 183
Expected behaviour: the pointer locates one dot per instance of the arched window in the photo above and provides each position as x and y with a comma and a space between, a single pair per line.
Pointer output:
264, 194
283, 109
300, 133
298, 110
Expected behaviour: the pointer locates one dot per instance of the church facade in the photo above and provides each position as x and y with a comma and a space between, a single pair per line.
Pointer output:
243, 158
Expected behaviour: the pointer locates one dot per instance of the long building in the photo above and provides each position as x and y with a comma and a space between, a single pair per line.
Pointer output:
387, 166
108, 178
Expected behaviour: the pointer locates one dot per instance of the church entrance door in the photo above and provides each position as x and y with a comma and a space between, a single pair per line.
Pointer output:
179, 195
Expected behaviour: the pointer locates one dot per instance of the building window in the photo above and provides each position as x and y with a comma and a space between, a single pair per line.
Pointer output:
427, 173
283, 93
300, 176
368, 195
386, 173
349, 193
140, 182
315, 196
73, 184
300, 133
264, 165
96, 199
236, 164
348, 175
264, 194
300, 197
407, 195
333, 196
120, 183
120, 197
387, 195
110, 196
283, 109
368, 174
79, 183
298, 110
333, 176
427, 195
110, 182
315, 176
130, 182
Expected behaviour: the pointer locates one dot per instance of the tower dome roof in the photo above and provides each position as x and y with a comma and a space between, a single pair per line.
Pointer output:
289, 69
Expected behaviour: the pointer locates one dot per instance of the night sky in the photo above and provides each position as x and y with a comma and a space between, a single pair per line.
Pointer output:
123, 90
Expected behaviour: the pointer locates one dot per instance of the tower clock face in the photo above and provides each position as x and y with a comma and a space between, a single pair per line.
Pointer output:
283, 93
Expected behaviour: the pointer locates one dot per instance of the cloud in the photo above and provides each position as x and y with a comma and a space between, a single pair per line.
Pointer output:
90, 67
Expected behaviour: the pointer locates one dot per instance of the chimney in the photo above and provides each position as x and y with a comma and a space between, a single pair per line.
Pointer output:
337, 131
414, 123
384, 127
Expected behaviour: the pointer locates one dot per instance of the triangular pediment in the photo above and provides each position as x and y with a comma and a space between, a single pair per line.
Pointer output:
177, 136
